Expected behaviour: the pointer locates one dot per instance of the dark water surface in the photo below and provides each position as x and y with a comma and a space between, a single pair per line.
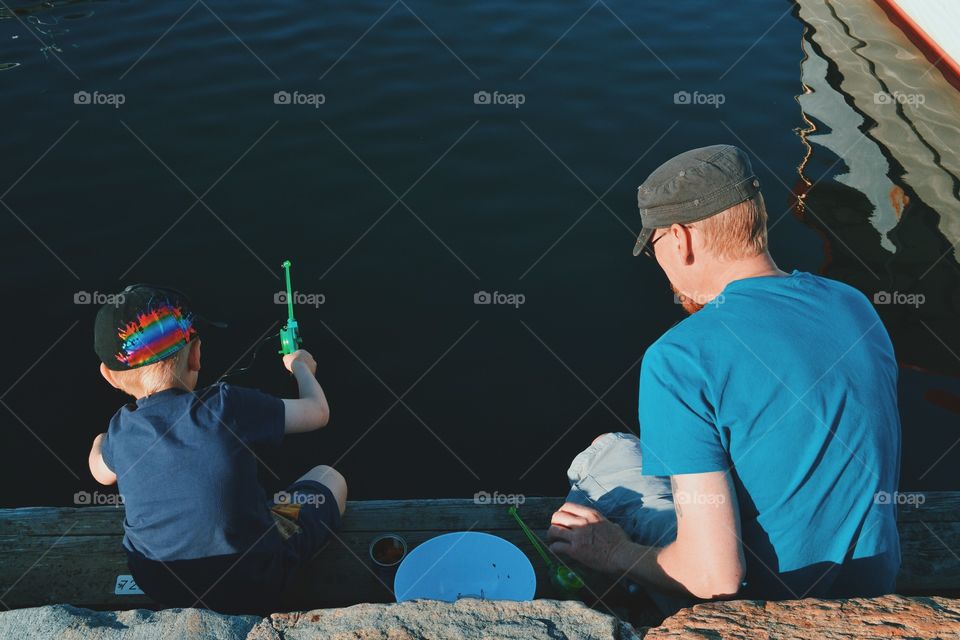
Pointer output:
399, 198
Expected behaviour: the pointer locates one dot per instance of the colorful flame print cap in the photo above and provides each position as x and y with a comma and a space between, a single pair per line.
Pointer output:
143, 326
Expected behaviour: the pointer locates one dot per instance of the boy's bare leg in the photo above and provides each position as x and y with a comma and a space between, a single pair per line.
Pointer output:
331, 479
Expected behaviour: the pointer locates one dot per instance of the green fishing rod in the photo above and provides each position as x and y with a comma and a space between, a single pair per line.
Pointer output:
290, 339
562, 577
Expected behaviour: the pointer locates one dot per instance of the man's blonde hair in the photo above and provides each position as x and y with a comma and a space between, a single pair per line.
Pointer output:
158, 376
737, 232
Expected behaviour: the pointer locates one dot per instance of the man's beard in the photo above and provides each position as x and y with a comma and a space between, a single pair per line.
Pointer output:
688, 305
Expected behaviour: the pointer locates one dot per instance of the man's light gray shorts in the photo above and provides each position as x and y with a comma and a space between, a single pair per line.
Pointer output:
608, 476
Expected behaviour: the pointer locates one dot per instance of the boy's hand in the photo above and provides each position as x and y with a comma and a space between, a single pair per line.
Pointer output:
300, 355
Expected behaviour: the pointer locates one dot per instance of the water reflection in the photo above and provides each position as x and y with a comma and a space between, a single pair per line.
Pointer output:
8, 12
46, 20
880, 181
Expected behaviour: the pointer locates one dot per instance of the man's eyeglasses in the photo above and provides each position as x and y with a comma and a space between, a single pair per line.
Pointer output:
648, 249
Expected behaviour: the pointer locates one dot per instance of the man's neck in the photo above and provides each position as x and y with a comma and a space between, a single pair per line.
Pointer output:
753, 267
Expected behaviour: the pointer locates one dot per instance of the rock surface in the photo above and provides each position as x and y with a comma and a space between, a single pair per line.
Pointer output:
855, 619
72, 623
466, 619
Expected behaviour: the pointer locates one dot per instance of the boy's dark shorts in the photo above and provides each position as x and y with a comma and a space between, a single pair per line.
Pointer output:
306, 514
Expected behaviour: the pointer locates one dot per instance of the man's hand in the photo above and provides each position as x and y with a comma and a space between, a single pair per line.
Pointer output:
583, 534
300, 355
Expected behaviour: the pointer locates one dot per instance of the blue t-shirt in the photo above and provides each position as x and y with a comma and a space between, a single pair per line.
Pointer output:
188, 478
792, 382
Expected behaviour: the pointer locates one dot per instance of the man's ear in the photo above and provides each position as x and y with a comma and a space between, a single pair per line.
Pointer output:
108, 376
684, 241
193, 358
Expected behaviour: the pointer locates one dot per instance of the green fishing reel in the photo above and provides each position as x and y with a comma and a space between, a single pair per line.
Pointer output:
565, 579
290, 339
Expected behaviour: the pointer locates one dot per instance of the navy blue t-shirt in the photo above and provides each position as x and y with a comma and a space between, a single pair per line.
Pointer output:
188, 478
791, 383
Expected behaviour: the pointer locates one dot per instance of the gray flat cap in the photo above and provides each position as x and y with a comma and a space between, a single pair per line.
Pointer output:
692, 186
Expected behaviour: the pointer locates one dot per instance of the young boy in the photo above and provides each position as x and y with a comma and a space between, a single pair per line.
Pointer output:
199, 530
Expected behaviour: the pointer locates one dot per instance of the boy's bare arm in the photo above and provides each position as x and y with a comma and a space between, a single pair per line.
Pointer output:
310, 411
101, 472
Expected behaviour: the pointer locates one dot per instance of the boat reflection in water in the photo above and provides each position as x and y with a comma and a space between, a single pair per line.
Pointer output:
879, 183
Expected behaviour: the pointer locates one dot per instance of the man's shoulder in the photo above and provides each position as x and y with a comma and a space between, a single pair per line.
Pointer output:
835, 287
844, 306
680, 348
686, 335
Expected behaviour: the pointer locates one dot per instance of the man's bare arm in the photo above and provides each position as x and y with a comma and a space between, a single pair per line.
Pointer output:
706, 559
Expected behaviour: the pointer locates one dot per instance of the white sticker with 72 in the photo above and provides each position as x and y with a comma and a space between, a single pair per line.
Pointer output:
126, 586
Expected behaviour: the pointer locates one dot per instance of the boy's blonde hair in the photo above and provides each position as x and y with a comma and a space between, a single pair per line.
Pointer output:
158, 376
737, 232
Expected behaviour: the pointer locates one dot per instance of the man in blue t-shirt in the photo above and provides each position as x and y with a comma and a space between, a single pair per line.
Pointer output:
198, 529
769, 448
